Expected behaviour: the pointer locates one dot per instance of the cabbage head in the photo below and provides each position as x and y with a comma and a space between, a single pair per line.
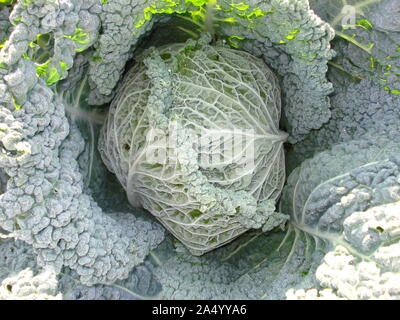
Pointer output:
193, 137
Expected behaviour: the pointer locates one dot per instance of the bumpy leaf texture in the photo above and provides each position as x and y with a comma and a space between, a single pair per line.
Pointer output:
219, 166
342, 240
286, 34
44, 203
366, 99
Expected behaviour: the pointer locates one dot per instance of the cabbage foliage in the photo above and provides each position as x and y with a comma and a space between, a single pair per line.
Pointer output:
193, 136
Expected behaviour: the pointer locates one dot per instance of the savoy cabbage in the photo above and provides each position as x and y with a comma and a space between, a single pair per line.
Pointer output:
87, 88
199, 146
